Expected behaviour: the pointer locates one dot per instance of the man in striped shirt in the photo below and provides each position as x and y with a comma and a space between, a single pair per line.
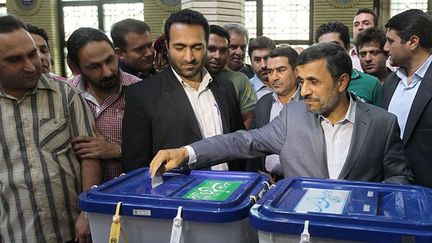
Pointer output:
40, 176
102, 84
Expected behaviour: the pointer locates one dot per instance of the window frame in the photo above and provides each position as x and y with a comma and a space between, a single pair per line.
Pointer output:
260, 24
98, 3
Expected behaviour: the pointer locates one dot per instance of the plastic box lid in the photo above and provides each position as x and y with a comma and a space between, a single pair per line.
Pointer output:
347, 210
207, 196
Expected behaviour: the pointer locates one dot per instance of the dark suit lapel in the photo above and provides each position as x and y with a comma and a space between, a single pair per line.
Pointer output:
174, 94
422, 98
222, 102
360, 131
389, 87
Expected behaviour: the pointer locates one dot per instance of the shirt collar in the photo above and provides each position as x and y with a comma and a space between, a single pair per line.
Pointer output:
206, 80
44, 82
125, 80
257, 83
421, 72
296, 96
350, 114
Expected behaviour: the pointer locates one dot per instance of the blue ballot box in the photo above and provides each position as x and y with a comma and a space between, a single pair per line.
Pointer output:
343, 211
209, 206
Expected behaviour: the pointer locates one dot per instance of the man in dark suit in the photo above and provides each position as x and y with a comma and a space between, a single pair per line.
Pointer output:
408, 92
182, 104
282, 77
329, 134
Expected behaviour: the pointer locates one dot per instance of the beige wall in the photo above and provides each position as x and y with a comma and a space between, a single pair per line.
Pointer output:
46, 18
325, 12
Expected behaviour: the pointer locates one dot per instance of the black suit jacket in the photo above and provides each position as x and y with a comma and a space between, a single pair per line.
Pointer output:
417, 137
159, 115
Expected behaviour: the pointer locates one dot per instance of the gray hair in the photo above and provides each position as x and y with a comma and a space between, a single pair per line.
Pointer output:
237, 28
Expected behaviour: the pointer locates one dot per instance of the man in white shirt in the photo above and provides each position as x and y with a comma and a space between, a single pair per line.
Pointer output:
181, 104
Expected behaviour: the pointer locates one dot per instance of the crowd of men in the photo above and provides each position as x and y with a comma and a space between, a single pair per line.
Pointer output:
333, 110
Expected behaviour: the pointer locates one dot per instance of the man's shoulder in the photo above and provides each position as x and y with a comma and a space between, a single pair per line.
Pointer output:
374, 111
153, 81
128, 79
265, 101
364, 77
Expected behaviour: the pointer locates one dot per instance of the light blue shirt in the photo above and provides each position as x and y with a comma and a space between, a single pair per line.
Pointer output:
260, 88
405, 93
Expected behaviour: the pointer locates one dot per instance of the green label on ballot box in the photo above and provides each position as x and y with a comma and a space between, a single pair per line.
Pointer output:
213, 190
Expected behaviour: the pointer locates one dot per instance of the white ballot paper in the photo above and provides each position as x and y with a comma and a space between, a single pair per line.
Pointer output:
319, 200
156, 180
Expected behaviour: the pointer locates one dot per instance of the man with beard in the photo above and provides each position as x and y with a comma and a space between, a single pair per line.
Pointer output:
329, 134
407, 92
258, 51
40, 176
217, 52
103, 85
181, 104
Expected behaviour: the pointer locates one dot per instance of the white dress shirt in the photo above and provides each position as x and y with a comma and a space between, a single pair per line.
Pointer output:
205, 108
338, 140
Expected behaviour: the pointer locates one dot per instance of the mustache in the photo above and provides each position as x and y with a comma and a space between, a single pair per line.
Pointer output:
108, 79
308, 98
193, 62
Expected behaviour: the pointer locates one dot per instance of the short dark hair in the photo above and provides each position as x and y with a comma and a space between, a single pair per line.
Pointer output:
9, 23
38, 31
120, 29
287, 52
412, 22
220, 31
237, 28
260, 42
334, 27
186, 16
368, 11
338, 60
81, 37
373, 34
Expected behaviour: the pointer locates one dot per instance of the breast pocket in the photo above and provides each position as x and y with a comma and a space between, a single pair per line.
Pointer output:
54, 135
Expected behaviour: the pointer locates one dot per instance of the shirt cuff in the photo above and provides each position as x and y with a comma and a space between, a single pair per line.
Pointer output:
192, 155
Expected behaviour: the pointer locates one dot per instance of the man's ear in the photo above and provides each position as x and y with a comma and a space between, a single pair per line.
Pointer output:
119, 52
343, 82
73, 67
414, 42
166, 45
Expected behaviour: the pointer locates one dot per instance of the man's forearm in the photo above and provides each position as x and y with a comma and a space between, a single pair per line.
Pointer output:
90, 173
